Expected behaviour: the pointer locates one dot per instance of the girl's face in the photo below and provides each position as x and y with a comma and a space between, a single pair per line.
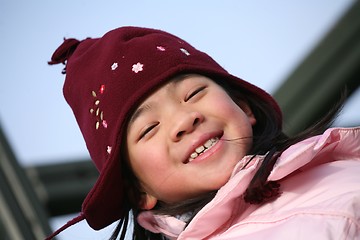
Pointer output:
185, 139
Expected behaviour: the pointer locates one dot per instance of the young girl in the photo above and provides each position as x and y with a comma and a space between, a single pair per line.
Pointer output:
193, 152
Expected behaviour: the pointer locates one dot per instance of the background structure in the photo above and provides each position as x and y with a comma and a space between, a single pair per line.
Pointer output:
303, 52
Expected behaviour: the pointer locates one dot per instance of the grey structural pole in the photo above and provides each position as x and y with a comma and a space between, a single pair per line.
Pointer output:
22, 216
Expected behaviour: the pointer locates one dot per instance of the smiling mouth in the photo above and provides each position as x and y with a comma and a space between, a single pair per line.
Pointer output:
203, 148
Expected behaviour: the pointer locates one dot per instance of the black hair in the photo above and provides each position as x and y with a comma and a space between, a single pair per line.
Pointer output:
268, 139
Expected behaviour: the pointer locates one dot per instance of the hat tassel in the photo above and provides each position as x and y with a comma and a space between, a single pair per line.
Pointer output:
67, 225
64, 52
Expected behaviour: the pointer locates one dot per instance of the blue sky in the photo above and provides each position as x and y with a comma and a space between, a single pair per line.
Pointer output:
260, 41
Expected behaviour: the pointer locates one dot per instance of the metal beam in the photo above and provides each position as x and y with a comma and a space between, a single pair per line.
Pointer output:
22, 215
63, 187
316, 85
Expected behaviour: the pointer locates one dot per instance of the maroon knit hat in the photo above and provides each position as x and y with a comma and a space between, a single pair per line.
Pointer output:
106, 78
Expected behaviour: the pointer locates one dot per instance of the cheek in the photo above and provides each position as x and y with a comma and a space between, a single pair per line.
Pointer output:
139, 160
229, 110
148, 164
157, 174
224, 103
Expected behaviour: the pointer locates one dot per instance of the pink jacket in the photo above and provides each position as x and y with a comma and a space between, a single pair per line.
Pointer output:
320, 184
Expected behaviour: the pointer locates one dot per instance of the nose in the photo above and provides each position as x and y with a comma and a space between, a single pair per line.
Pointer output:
185, 123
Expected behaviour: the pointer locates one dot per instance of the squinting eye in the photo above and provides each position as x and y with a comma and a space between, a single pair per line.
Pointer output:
194, 93
147, 130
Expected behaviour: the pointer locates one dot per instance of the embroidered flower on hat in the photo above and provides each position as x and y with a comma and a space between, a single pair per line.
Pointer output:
114, 66
108, 149
137, 67
185, 51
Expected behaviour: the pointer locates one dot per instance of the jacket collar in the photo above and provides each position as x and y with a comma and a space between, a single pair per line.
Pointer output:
224, 200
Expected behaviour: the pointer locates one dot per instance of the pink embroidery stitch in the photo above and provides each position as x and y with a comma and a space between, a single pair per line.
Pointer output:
104, 123
102, 89
160, 48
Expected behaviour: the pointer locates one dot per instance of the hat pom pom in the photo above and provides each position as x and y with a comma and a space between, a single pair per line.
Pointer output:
64, 52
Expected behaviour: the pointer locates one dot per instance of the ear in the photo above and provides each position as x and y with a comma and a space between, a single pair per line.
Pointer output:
148, 201
247, 110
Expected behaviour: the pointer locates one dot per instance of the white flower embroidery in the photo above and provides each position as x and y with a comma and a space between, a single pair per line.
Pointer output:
114, 66
109, 149
185, 51
160, 48
137, 67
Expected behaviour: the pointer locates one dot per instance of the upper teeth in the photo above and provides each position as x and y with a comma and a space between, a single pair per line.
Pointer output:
203, 148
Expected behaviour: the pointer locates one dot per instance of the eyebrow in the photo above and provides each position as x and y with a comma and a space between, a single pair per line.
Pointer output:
141, 110
178, 79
